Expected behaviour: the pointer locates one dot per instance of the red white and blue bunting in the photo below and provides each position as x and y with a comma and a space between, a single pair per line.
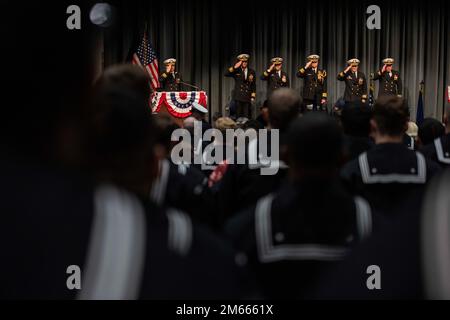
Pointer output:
179, 104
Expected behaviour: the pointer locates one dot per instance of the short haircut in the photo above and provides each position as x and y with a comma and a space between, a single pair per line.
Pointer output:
315, 142
122, 129
355, 120
391, 114
429, 130
127, 76
284, 105
165, 126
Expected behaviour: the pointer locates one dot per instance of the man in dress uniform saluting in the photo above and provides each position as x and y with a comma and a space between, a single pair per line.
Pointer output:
390, 81
315, 87
275, 77
245, 85
170, 79
355, 82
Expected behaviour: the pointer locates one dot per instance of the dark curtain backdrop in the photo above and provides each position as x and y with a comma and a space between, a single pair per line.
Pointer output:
206, 35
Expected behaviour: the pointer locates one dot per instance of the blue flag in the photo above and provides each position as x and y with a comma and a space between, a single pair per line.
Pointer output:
419, 114
371, 91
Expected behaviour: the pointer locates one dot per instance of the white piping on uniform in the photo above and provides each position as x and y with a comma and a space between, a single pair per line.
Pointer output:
180, 232
267, 252
364, 217
159, 188
116, 253
369, 178
440, 151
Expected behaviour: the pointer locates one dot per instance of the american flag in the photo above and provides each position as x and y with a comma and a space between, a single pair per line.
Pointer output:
145, 57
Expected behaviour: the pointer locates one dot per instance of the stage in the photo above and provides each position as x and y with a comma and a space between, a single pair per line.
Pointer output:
205, 37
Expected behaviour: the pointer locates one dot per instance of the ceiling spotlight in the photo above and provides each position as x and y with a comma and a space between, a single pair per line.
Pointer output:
102, 14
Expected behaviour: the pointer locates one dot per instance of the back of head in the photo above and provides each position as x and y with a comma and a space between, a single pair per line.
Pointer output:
122, 130
314, 144
284, 105
165, 126
121, 105
356, 120
429, 130
225, 123
391, 115
126, 76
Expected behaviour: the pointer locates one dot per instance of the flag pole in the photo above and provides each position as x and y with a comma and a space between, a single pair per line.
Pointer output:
420, 109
